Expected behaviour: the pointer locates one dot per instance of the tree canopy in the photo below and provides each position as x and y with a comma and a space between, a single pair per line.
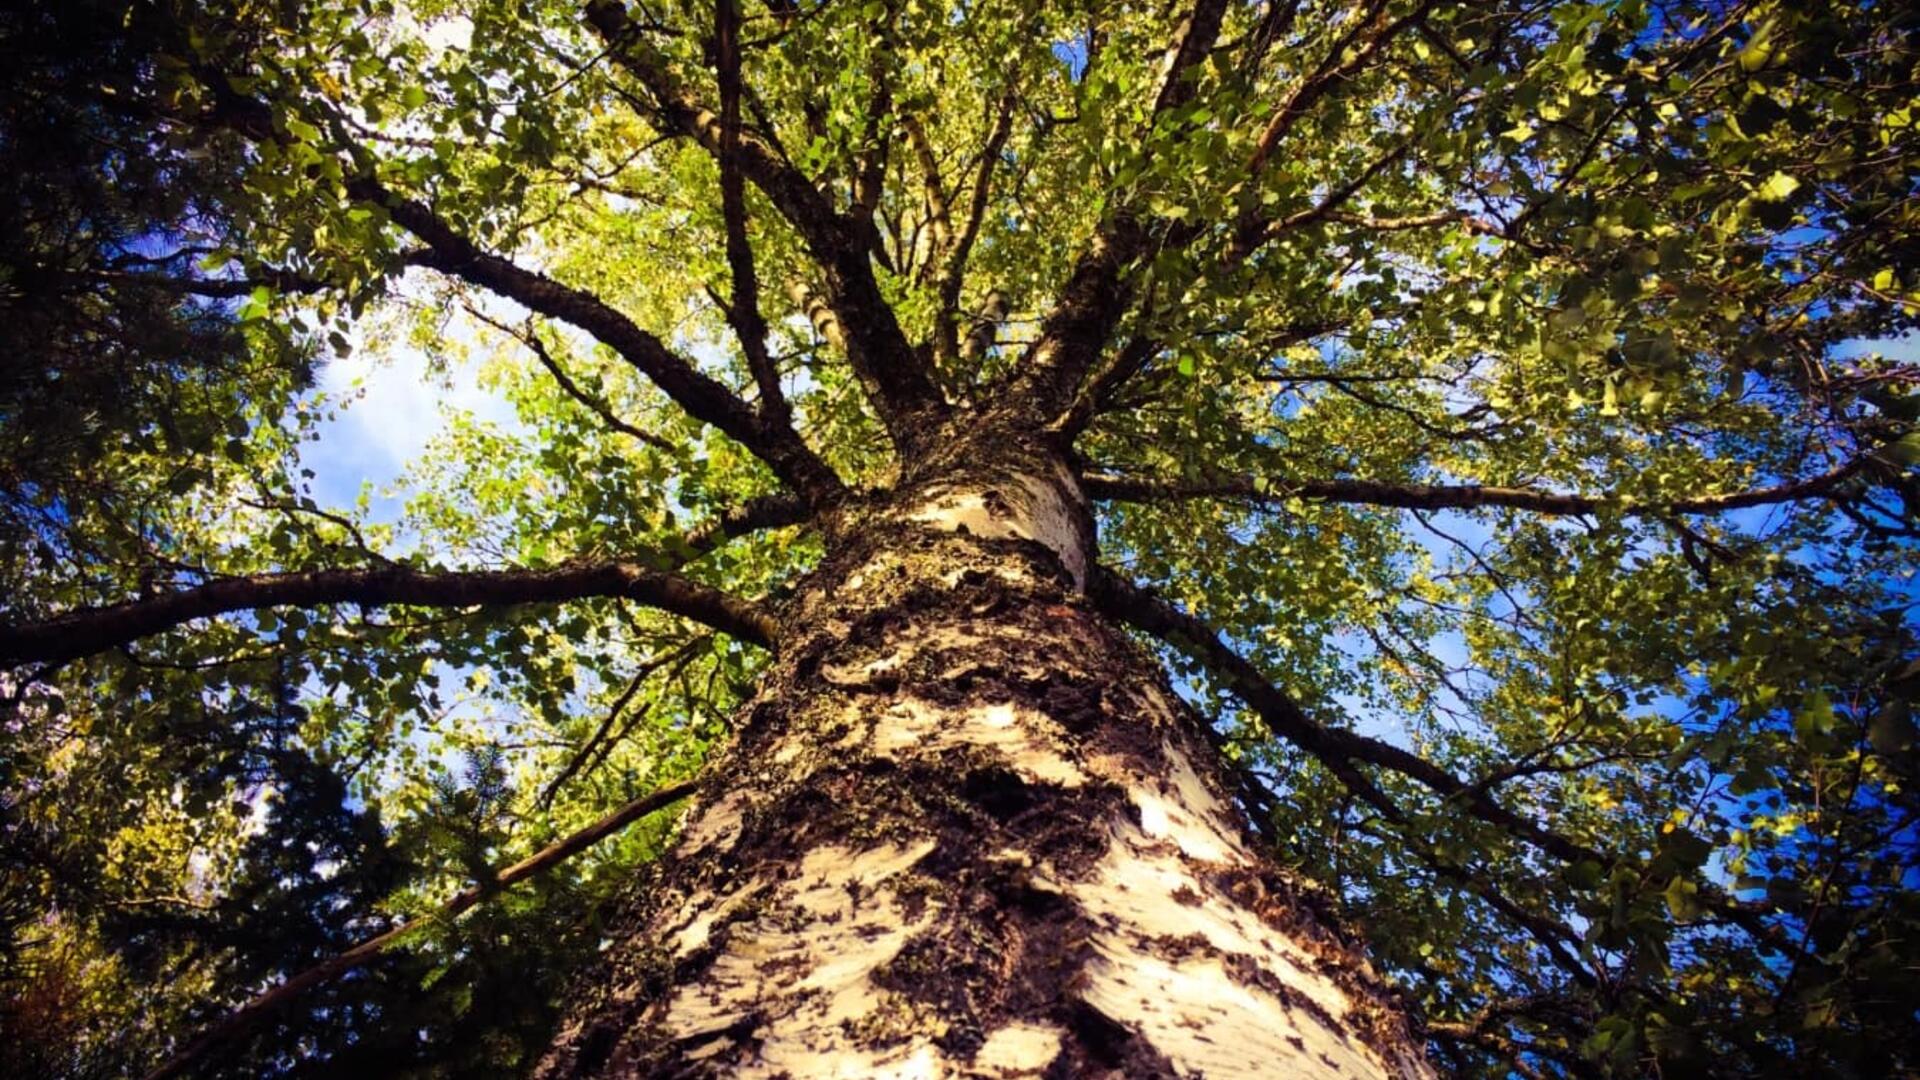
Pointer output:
1501, 416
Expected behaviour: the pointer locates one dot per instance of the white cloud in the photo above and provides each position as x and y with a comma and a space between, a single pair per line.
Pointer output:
388, 409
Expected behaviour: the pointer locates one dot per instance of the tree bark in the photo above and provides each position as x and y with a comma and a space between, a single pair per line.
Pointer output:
966, 828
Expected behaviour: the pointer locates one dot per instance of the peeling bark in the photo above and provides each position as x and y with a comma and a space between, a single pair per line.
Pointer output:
967, 829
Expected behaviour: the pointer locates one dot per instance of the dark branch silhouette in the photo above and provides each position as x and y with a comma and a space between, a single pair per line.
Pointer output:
267, 1003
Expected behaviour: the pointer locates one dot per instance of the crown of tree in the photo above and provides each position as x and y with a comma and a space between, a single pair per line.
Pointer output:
1481, 436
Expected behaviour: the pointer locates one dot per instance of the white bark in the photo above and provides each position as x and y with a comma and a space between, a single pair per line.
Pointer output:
969, 831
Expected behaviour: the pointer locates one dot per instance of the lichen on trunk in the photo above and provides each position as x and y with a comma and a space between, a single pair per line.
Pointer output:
967, 829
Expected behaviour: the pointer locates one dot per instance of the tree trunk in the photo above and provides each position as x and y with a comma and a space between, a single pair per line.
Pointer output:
967, 829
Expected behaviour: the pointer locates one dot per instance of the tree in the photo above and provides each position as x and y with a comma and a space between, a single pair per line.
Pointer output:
1350, 538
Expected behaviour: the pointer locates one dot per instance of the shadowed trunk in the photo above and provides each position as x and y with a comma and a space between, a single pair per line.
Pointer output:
967, 829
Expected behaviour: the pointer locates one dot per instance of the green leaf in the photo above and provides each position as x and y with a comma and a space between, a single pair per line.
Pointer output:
302, 130
1777, 188
256, 304
1683, 899
1586, 875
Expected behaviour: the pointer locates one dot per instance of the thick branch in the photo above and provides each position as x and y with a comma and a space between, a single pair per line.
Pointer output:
939, 214
1119, 488
1096, 294
266, 1004
704, 398
743, 311
763, 512
91, 630
1342, 751
897, 380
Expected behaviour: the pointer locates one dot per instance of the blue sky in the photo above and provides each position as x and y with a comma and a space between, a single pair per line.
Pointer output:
389, 406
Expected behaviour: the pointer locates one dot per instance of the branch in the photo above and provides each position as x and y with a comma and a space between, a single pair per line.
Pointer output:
1116, 487
1098, 291
572, 389
761, 512
1556, 938
1252, 230
450, 252
870, 160
1106, 382
599, 740
271, 1001
1103, 387
1475, 225
1328, 207
605, 727
280, 281
704, 398
818, 313
1330, 72
938, 213
743, 311
896, 379
1342, 751
953, 262
1276, 23
91, 630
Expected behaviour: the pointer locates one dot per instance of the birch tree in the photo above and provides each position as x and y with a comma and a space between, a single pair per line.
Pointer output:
1355, 538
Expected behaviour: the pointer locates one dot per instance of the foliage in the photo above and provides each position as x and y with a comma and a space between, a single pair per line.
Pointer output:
1526, 387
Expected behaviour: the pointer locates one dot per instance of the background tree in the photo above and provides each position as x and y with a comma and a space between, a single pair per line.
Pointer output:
1497, 416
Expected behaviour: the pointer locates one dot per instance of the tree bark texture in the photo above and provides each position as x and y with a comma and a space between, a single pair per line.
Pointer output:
967, 829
